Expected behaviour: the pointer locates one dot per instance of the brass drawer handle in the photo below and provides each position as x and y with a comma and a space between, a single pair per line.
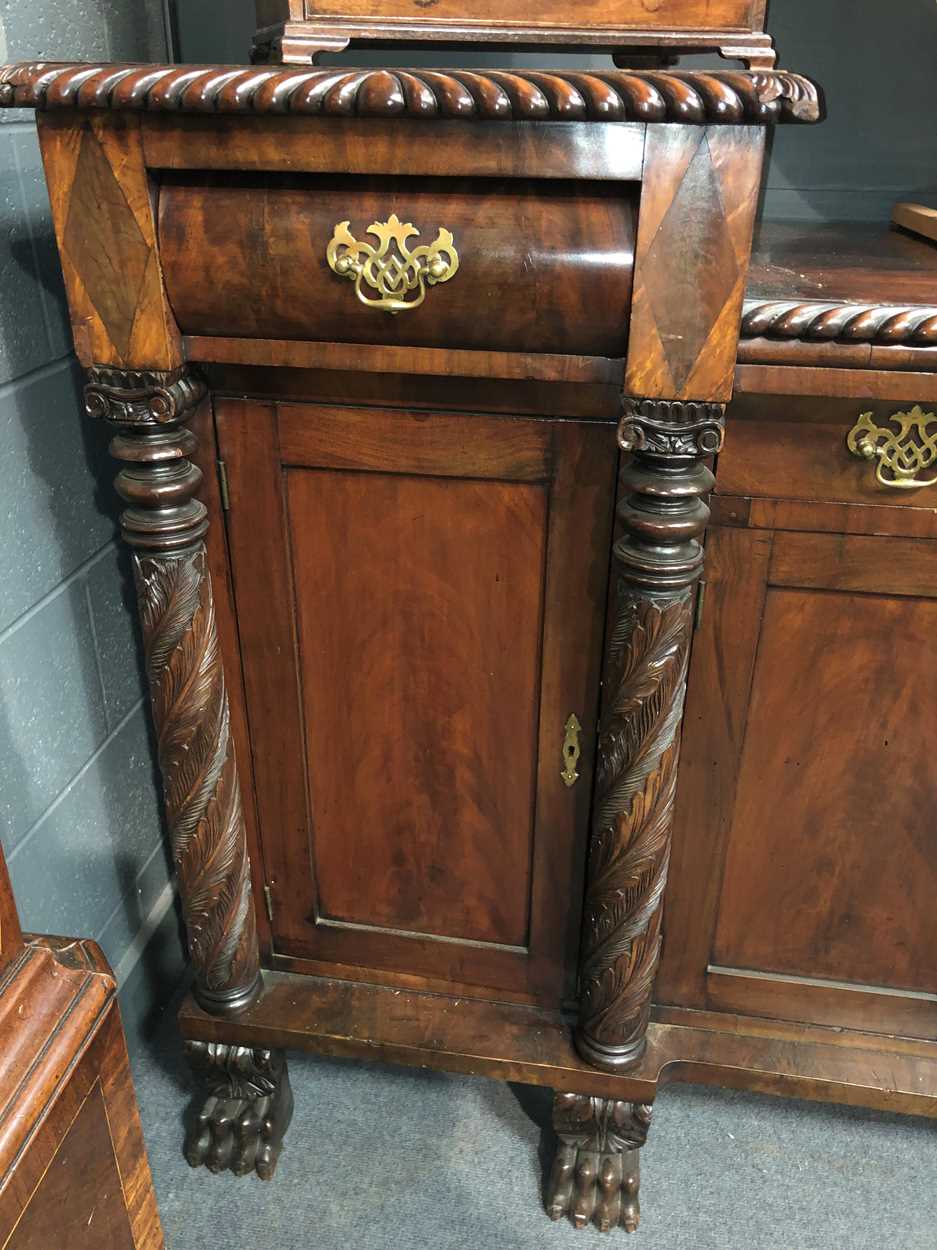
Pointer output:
392, 269
900, 454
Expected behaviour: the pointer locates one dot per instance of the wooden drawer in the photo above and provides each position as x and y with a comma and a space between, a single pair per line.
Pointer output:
542, 266
785, 455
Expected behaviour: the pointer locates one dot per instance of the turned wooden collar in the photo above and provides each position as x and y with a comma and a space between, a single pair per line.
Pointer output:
763, 97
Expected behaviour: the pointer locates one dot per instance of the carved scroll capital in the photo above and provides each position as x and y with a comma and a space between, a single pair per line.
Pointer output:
143, 398
671, 428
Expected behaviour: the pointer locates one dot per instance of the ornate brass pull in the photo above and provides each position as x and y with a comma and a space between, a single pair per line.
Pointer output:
392, 269
571, 750
901, 454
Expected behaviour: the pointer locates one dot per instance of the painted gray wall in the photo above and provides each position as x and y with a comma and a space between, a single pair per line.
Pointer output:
79, 809
876, 61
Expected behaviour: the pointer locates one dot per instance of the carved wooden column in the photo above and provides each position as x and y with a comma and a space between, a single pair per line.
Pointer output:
657, 561
249, 1103
164, 525
248, 1106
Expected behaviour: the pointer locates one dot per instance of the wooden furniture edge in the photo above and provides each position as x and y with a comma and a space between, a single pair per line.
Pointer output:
479, 1038
687, 98
887, 384
80, 989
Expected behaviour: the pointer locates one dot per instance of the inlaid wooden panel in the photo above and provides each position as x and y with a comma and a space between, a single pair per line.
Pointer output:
696, 218
79, 1203
102, 207
832, 857
543, 266
411, 594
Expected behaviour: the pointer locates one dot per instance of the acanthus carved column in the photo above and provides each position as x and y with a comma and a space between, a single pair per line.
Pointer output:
164, 525
657, 562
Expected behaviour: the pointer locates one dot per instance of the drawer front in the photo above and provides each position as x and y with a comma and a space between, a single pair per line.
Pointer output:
528, 267
784, 455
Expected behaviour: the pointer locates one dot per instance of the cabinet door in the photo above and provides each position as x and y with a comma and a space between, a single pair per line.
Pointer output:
420, 601
805, 849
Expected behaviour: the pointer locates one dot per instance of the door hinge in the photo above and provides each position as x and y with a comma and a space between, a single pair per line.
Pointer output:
700, 605
268, 899
223, 485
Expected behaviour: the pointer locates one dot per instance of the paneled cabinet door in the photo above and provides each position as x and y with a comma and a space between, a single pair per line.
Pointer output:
420, 601
805, 848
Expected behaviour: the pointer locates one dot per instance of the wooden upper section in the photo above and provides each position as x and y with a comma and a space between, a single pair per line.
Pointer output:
610, 96
854, 282
534, 14
733, 27
841, 296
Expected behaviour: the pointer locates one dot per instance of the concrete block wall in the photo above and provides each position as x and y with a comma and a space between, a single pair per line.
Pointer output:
80, 817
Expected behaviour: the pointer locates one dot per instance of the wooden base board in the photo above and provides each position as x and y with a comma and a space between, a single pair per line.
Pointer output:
532, 1046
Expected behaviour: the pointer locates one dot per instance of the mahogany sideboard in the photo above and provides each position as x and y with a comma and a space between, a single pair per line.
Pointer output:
371, 343
73, 1167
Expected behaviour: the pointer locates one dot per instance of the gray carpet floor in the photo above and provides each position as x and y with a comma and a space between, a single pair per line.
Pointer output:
381, 1158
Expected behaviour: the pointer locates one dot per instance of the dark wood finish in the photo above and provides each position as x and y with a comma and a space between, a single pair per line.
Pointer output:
859, 383
164, 525
378, 358
657, 563
815, 915
412, 654
304, 143
843, 296
411, 578
695, 224
246, 1113
608, 96
869, 267
73, 1168
516, 1043
558, 254
795, 450
106, 232
596, 1172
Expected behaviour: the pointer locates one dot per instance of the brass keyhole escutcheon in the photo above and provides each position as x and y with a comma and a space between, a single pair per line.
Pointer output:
571, 750
397, 274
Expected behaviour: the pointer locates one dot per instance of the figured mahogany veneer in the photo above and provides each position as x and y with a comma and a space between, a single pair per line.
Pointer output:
417, 675
559, 255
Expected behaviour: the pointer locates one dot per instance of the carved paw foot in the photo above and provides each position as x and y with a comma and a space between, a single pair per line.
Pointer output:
242, 1122
596, 1173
